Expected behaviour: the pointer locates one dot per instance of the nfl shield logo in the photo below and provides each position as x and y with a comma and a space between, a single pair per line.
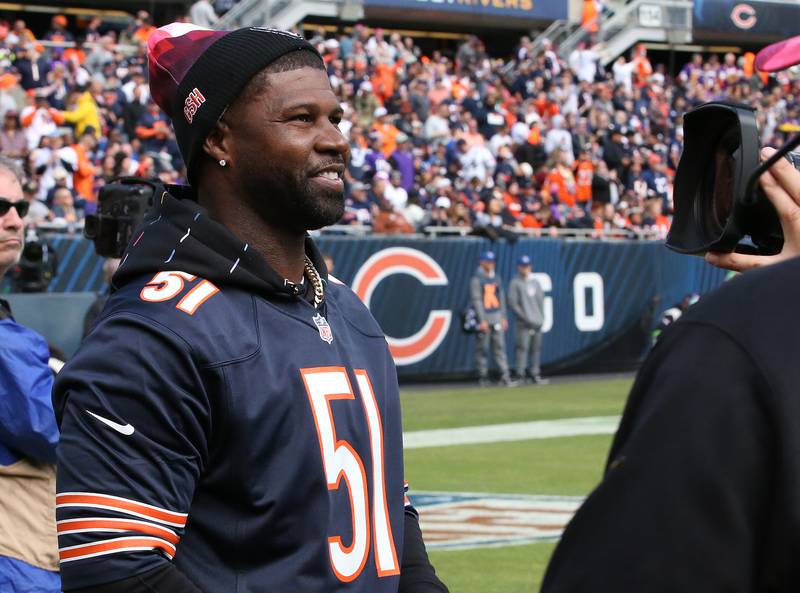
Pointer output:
325, 332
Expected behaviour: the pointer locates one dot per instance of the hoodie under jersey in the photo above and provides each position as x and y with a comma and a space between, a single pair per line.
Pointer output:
215, 419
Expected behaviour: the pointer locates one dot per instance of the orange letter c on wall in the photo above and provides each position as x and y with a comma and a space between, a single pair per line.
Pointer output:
404, 260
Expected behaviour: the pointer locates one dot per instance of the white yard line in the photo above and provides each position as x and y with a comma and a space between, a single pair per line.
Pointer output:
516, 431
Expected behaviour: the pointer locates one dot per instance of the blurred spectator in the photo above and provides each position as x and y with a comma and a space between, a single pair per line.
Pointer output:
395, 195
38, 118
202, 14
384, 127
63, 180
101, 55
365, 103
13, 143
584, 174
64, 207
402, 160
358, 208
12, 96
139, 30
20, 34
414, 213
58, 32
153, 129
558, 138
82, 112
84, 173
440, 215
560, 181
476, 162
38, 212
53, 160
32, 68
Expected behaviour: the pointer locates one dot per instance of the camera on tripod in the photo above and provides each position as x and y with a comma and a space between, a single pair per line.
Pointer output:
121, 207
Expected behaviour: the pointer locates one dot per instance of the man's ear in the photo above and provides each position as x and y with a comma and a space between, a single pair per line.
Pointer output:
217, 144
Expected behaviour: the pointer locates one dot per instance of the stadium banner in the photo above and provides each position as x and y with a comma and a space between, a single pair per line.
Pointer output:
601, 298
518, 9
759, 18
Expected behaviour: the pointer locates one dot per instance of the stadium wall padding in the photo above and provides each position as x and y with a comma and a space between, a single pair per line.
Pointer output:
603, 297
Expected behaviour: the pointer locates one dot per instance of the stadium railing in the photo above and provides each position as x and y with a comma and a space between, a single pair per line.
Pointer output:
360, 230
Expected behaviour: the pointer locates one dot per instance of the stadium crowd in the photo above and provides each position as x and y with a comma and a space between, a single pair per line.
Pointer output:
531, 142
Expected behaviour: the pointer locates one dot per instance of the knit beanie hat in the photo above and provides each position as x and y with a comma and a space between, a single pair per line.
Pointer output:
196, 73
779, 56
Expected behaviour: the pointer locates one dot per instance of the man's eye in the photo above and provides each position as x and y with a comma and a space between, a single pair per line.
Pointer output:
304, 117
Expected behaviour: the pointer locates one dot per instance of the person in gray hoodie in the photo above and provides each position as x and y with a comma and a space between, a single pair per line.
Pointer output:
489, 301
526, 300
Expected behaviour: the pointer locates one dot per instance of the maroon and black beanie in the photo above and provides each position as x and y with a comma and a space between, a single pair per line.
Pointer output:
196, 73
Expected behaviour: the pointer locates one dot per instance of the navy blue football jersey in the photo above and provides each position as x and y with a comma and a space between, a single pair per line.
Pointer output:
217, 420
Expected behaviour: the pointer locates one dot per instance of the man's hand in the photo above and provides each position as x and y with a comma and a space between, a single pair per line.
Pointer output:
781, 183
483, 327
505, 324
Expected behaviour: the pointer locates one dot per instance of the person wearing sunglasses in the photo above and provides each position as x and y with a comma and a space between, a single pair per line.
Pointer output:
28, 431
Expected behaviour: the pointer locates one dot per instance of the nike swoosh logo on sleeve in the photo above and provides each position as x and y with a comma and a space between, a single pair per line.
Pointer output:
126, 429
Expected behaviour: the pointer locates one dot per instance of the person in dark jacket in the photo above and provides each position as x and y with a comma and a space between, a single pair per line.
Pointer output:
28, 431
32, 68
232, 422
702, 482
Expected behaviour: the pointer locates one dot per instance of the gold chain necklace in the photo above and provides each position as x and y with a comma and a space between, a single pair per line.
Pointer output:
316, 282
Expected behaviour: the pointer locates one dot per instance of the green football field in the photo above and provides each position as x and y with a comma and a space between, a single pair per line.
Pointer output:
548, 466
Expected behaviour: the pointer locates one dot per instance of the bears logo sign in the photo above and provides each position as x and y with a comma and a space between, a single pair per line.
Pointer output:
404, 260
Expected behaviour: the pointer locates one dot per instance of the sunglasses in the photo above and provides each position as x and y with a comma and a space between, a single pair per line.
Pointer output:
21, 207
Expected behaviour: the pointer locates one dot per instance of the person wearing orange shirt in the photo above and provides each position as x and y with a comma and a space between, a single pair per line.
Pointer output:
83, 176
560, 181
387, 130
643, 68
383, 82
75, 54
145, 27
590, 20
544, 106
584, 172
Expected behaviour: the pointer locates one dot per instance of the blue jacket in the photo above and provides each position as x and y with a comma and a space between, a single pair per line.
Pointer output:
28, 438
27, 424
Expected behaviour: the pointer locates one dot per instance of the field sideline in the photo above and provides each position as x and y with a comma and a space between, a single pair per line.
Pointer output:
558, 468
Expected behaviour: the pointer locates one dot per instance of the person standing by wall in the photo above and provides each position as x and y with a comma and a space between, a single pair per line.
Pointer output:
526, 301
489, 301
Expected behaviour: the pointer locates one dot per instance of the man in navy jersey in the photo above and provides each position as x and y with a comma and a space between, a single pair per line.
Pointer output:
232, 421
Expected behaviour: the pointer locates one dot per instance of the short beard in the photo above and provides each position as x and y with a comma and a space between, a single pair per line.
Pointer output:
290, 201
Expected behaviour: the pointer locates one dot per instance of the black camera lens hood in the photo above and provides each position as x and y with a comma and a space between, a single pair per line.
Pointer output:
704, 130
